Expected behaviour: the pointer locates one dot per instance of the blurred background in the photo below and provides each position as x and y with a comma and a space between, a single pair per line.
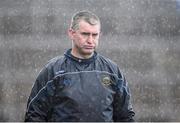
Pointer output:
141, 36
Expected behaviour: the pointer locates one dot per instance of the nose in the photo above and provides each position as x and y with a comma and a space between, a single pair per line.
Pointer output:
90, 39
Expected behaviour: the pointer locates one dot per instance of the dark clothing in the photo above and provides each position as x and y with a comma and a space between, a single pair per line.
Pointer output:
72, 89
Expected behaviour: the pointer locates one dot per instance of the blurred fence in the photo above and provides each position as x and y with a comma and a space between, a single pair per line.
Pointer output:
142, 36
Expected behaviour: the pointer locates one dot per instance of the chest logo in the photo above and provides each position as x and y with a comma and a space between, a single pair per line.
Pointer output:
106, 80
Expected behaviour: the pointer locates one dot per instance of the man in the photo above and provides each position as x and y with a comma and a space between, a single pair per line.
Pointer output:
82, 85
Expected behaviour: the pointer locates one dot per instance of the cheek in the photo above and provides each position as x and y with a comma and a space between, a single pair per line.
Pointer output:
76, 38
79, 40
96, 42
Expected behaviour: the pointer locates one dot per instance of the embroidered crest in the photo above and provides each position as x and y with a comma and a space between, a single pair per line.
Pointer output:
106, 80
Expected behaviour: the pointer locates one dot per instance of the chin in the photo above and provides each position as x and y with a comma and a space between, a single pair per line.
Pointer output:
88, 51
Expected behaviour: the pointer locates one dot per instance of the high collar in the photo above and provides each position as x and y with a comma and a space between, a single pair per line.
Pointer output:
79, 60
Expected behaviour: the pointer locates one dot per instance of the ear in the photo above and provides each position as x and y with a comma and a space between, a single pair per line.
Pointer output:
71, 33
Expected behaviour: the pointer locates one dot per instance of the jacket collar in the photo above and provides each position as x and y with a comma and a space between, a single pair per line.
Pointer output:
79, 60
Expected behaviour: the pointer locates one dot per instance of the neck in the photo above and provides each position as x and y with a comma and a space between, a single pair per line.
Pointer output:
78, 55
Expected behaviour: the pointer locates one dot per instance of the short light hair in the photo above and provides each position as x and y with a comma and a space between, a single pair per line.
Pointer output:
87, 16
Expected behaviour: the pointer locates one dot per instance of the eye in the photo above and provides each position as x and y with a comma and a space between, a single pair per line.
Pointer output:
85, 33
95, 34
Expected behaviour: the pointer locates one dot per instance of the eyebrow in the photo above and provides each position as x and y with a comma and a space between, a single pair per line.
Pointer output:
87, 33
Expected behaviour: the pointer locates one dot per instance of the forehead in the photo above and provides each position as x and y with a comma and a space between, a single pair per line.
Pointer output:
85, 26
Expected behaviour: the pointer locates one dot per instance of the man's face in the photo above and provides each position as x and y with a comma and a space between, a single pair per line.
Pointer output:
85, 39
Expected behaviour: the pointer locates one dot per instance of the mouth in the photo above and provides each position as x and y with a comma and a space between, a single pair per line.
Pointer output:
89, 47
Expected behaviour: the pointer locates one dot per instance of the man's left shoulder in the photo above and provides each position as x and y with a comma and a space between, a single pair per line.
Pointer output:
111, 66
107, 60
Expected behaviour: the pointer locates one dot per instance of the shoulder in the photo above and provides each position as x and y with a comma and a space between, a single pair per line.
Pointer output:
107, 61
52, 66
109, 65
56, 61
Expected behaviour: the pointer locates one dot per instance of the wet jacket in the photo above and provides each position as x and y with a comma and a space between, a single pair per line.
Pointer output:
72, 89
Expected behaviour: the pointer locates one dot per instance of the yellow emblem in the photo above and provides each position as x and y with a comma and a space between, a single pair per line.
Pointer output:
106, 80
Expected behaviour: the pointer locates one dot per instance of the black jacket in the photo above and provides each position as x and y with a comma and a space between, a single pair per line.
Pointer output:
72, 89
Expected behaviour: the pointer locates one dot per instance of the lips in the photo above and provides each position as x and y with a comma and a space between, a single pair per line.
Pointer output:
89, 47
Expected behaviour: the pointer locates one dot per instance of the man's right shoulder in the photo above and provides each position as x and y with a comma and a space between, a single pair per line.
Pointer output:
56, 61
52, 66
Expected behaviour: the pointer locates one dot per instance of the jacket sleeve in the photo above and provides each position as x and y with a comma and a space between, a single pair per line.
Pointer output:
123, 111
44, 76
40, 82
39, 106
